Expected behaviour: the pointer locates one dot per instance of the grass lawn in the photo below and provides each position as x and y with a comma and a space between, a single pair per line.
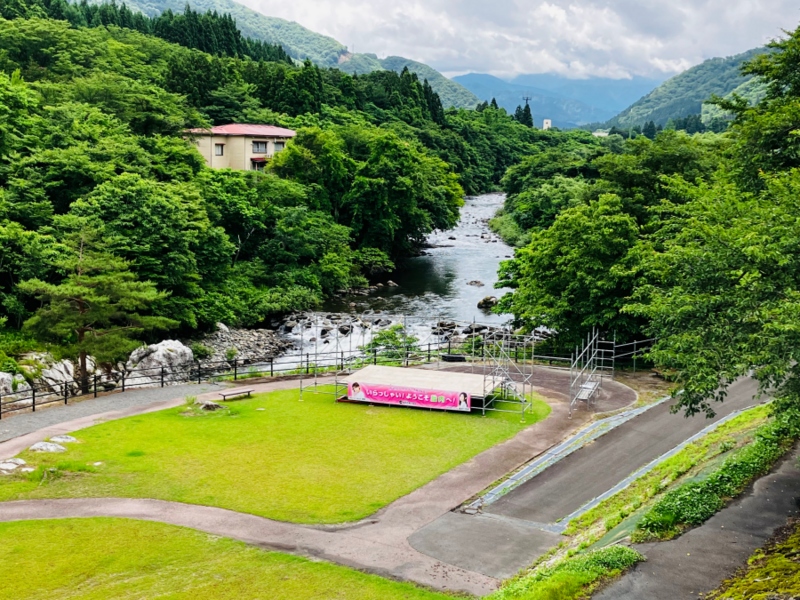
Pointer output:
122, 559
314, 461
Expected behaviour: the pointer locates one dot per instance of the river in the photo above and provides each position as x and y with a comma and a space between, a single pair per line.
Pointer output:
437, 285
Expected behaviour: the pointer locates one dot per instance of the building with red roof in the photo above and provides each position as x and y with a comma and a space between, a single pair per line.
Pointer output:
240, 146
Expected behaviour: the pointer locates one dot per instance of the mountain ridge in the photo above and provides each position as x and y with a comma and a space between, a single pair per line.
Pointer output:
301, 43
684, 94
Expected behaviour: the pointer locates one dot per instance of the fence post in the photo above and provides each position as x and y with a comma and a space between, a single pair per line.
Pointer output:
271, 366
429, 352
33, 391
199, 374
342, 360
634, 357
162, 377
123, 381
449, 345
308, 363
374, 356
95, 385
235, 369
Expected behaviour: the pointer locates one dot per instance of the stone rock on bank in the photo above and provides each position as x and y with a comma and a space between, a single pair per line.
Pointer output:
170, 357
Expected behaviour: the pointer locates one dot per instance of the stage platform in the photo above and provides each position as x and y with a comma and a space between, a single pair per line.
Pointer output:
477, 386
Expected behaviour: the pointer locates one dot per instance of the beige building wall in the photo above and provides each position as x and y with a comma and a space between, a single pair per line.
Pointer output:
237, 150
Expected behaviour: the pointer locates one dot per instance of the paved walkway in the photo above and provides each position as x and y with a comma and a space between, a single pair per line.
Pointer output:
523, 520
378, 544
12, 425
700, 560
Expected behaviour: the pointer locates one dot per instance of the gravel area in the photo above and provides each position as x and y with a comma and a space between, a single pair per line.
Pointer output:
12, 426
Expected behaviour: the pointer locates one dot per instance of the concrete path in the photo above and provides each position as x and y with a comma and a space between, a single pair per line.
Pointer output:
524, 519
14, 425
378, 544
700, 560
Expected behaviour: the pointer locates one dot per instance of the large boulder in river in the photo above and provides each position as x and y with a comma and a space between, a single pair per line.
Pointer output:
146, 365
488, 302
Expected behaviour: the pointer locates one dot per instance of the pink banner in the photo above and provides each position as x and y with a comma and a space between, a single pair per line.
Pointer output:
389, 394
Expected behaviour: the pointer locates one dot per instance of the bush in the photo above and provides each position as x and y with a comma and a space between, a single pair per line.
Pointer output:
693, 503
201, 352
570, 578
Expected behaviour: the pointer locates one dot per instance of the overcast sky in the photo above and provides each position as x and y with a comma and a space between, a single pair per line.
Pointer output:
614, 38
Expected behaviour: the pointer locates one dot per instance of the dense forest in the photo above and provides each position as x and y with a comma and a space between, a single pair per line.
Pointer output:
684, 94
690, 239
301, 43
96, 173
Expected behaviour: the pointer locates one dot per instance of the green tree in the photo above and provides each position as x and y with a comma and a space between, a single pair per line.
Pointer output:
97, 305
576, 275
724, 298
527, 116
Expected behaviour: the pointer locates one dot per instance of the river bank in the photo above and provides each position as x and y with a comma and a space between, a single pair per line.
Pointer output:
458, 269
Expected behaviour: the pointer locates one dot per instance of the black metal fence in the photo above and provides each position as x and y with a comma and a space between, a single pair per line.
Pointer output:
306, 363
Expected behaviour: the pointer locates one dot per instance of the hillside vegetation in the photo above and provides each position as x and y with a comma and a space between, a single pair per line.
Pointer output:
98, 181
302, 43
685, 93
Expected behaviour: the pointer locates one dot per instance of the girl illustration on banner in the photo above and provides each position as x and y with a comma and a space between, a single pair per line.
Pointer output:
462, 401
358, 393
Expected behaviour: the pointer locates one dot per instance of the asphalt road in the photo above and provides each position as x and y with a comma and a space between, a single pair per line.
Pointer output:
596, 468
700, 560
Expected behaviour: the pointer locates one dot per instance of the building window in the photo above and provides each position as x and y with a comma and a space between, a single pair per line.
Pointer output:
259, 147
219, 149
257, 165
279, 146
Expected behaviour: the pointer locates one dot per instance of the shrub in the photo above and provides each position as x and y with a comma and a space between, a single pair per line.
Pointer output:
201, 352
231, 353
695, 502
570, 578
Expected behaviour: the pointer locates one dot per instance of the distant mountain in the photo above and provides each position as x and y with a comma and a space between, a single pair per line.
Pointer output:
599, 92
565, 112
302, 43
685, 93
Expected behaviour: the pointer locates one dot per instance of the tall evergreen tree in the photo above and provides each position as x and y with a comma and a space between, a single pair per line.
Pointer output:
97, 304
527, 116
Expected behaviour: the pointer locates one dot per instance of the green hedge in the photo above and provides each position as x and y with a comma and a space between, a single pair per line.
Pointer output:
571, 578
694, 503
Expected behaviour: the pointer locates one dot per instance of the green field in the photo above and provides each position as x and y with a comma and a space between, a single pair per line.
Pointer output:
98, 559
314, 461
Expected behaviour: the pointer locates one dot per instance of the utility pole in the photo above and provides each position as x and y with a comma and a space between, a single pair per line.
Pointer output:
527, 100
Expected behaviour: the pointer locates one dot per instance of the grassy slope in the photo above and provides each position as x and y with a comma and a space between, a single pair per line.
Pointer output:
96, 559
685, 93
309, 462
300, 43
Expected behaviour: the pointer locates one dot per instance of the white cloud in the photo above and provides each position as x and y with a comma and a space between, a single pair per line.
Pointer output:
614, 38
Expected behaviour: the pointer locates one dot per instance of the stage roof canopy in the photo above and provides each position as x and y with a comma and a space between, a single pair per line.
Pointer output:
476, 386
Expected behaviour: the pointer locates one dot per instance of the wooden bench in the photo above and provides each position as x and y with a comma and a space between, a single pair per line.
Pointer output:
235, 393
